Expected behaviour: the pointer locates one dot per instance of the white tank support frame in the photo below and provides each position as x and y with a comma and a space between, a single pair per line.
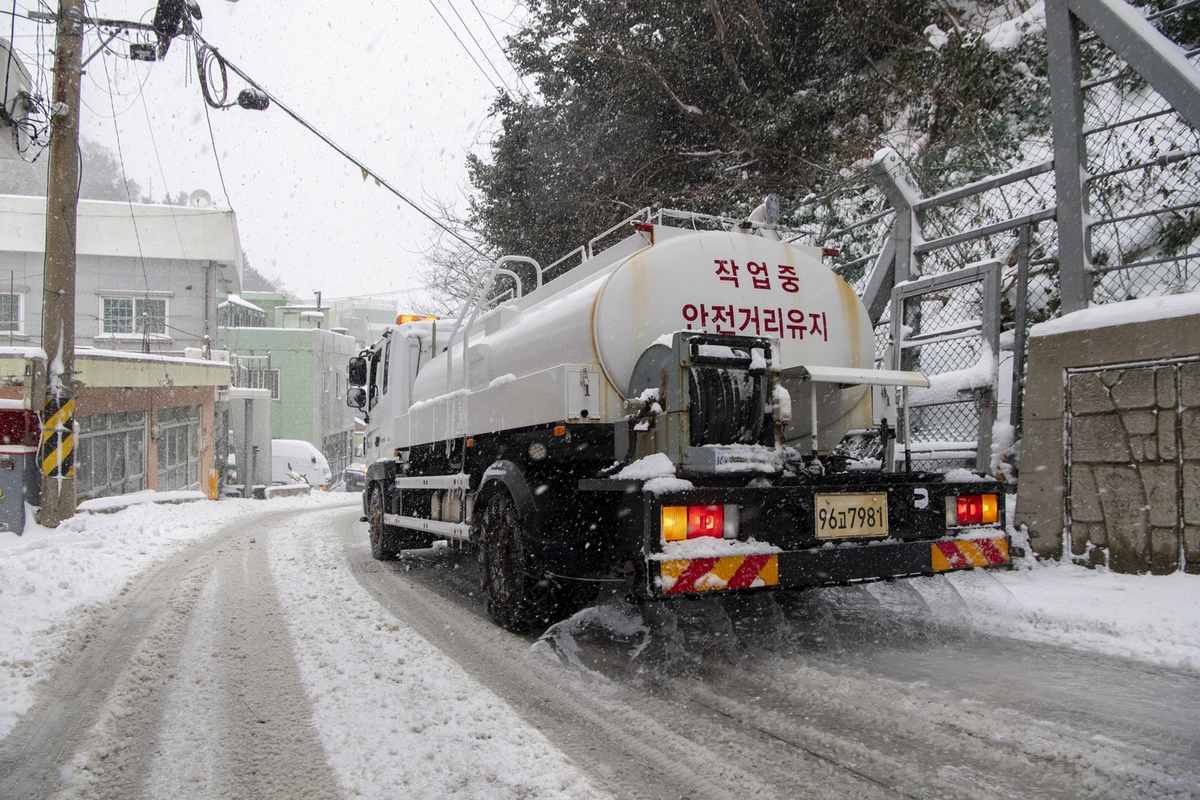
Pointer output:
846, 377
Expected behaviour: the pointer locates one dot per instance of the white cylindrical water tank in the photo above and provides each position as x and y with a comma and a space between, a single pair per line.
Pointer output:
713, 281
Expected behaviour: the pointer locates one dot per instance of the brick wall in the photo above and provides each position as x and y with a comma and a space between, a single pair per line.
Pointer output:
1132, 460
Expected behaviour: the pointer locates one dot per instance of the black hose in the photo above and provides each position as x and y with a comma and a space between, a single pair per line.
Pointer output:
724, 410
205, 56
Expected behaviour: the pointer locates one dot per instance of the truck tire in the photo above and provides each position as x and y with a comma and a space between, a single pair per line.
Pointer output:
519, 596
516, 599
385, 539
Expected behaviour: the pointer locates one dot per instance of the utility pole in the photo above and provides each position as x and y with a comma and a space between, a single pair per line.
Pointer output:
57, 451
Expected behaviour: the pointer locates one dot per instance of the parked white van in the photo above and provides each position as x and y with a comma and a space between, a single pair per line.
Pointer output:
297, 461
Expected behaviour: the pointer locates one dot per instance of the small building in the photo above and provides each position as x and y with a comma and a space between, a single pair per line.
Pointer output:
147, 282
364, 318
269, 302
147, 276
238, 313
144, 421
305, 369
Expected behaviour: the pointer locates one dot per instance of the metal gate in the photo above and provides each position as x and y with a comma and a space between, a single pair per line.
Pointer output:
948, 327
1132, 463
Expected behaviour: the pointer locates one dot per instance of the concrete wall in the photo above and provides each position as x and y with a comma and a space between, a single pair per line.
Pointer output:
1110, 457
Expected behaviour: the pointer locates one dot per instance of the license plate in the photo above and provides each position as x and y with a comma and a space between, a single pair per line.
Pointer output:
842, 516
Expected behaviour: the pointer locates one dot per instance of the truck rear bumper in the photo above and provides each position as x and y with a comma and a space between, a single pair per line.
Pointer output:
825, 566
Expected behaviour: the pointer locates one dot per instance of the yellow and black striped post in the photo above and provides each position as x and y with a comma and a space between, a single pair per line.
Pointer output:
57, 450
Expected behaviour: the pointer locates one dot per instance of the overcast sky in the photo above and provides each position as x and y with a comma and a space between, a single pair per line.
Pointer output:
386, 80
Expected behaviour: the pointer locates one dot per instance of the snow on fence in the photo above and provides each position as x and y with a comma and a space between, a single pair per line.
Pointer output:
1141, 183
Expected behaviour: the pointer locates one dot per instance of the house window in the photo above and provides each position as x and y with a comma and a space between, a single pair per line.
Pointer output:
133, 315
11, 318
264, 379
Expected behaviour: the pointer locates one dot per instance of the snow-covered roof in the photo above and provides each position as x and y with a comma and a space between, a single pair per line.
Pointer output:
22, 352
82, 352
234, 300
1106, 316
108, 229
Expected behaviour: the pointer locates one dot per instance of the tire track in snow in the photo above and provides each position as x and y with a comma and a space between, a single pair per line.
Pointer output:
398, 717
98, 721
911, 737
640, 743
257, 739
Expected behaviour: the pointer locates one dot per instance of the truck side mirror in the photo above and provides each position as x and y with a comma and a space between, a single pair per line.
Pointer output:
356, 397
356, 373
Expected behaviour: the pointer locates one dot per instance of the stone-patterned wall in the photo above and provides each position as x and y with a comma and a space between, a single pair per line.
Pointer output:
1133, 458
1110, 450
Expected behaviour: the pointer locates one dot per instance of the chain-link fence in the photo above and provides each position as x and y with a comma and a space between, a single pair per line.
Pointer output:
1008, 220
1143, 160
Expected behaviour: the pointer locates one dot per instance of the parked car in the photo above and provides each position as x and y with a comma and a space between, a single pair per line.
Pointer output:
298, 461
355, 477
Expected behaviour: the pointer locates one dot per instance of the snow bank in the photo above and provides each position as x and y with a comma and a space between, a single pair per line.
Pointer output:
658, 465
55, 583
1105, 316
1150, 618
105, 505
397, 717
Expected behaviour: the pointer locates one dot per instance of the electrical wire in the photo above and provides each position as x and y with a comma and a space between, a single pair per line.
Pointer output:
495, 39
342, 151
12, 43
133, 220
454, 33
482, 52
27, 126
217, 158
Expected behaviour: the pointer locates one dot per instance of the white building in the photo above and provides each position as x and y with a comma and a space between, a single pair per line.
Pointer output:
147, 276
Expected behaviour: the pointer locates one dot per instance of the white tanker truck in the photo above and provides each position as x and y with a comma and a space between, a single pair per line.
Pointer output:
663, 412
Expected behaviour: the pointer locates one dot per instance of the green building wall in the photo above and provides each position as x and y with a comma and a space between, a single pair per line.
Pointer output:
312, 384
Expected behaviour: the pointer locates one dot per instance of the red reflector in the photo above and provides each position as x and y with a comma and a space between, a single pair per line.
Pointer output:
831, 252
644, 227
705, 521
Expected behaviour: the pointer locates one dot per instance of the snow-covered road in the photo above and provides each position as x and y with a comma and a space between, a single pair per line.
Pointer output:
258, 651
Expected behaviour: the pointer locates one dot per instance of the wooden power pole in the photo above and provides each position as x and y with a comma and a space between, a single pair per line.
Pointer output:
57, 452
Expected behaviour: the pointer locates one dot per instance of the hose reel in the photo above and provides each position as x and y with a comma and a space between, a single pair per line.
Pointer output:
705, 390
726, 405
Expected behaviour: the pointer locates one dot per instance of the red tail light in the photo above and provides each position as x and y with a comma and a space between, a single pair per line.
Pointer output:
973, 509
705, 521
694, 522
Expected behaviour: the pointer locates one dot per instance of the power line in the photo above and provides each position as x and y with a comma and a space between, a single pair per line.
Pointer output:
486, 25
466, 50
482, 52
133, 219
341, 150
